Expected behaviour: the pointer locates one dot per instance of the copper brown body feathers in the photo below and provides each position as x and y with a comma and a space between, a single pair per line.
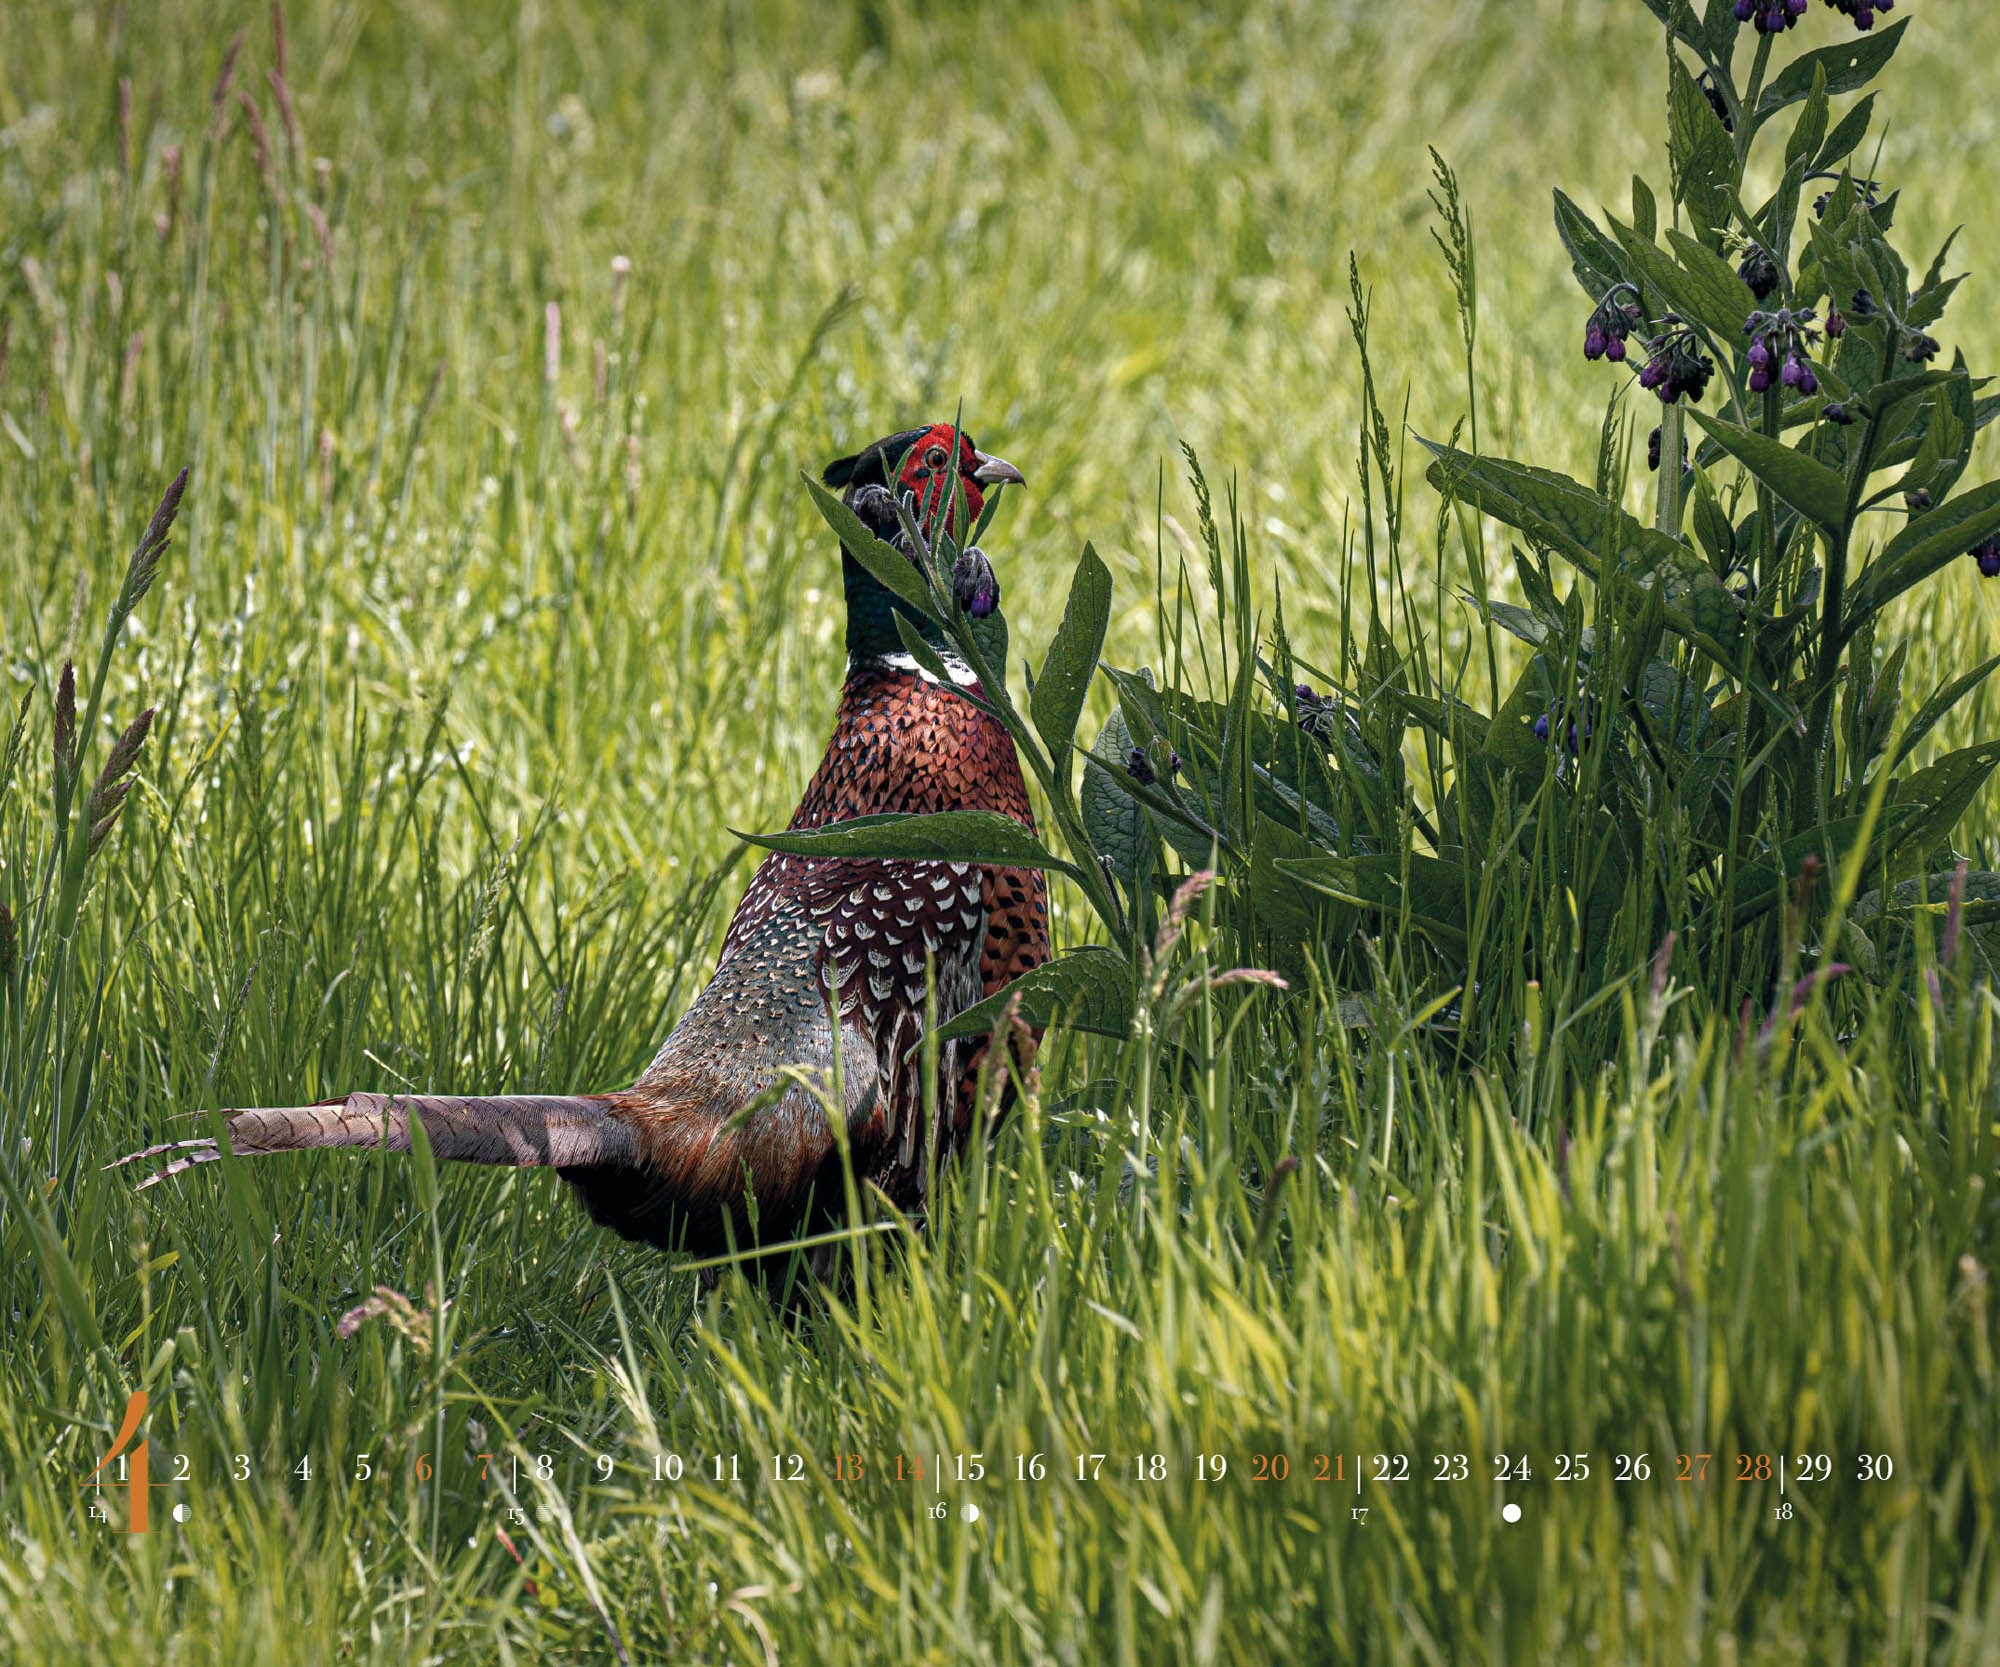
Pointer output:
880, 934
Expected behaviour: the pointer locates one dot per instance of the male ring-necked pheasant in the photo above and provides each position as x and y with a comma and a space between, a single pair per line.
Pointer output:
675, 1160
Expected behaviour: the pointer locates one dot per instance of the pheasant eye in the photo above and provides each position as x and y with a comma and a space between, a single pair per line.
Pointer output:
934, 458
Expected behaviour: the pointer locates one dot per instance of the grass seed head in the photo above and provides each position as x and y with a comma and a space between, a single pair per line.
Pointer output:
65, 740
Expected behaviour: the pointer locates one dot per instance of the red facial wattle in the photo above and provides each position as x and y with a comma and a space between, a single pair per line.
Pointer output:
928, 472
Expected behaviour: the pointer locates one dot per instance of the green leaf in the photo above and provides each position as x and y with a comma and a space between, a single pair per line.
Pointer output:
1113, 819
1944, 790
1889, 921
1238, 752
1850, 64
1711, 525
1720, 29
1462, 727
1679, 16
1882, 399
1700, 149
1064, 683
1645, 211
919, 650
1709, 294
1575, 521
1517, 622
1935, 271
1429, 891
1809, 133
1925, 545
893, 570
981, 836
1778, 216
1595, 258
1761, 886
1716, 279
1290, 912
1810, 487
1947, 444
1933, 710
1927, 306
1847, 133
1087, 989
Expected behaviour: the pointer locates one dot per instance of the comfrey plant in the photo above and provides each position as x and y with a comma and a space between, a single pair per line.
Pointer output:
1735, 655
1698, 758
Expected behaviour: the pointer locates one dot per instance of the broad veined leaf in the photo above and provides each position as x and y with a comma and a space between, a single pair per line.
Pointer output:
1809, 131
1432, 890
921, 651
1762, 885
1808, 485
1453, 721
1290, 912
1087, 989
1852, 63
1721, 27
1679, 16
1060, 690
1289, 775
981, 836
1645, 210
1928, 305
1715, 276
1847, 133
1114, 820
1882, 399
1890, 921
1702, 153
1925, 545
1598, 262
1579, 524
1708, 295
1932, 712
1946, 448
888, 565
1510, 739
1943, 791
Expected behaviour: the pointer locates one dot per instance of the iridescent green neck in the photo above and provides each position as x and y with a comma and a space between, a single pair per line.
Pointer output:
871, 616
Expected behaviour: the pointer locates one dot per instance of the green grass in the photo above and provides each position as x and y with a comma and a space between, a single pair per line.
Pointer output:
464, 672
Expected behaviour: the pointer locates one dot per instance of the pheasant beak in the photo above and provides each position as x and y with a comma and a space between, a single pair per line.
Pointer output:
989, 471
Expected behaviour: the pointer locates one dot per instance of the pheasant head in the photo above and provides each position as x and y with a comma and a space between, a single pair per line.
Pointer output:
943, 477
943, 473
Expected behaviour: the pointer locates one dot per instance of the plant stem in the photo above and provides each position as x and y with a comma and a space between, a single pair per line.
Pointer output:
1672, 427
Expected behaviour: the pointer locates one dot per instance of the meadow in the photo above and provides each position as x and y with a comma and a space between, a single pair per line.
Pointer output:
494, 341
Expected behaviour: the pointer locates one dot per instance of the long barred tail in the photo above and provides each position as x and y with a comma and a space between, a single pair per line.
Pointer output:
560, 1131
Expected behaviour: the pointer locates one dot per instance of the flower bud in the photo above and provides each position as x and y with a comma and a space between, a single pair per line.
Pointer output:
972, 581
1759, 271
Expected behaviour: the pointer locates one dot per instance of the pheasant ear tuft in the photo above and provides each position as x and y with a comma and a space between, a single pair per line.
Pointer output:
840, 472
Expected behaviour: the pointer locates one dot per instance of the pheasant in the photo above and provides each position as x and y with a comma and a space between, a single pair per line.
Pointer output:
719, 1142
